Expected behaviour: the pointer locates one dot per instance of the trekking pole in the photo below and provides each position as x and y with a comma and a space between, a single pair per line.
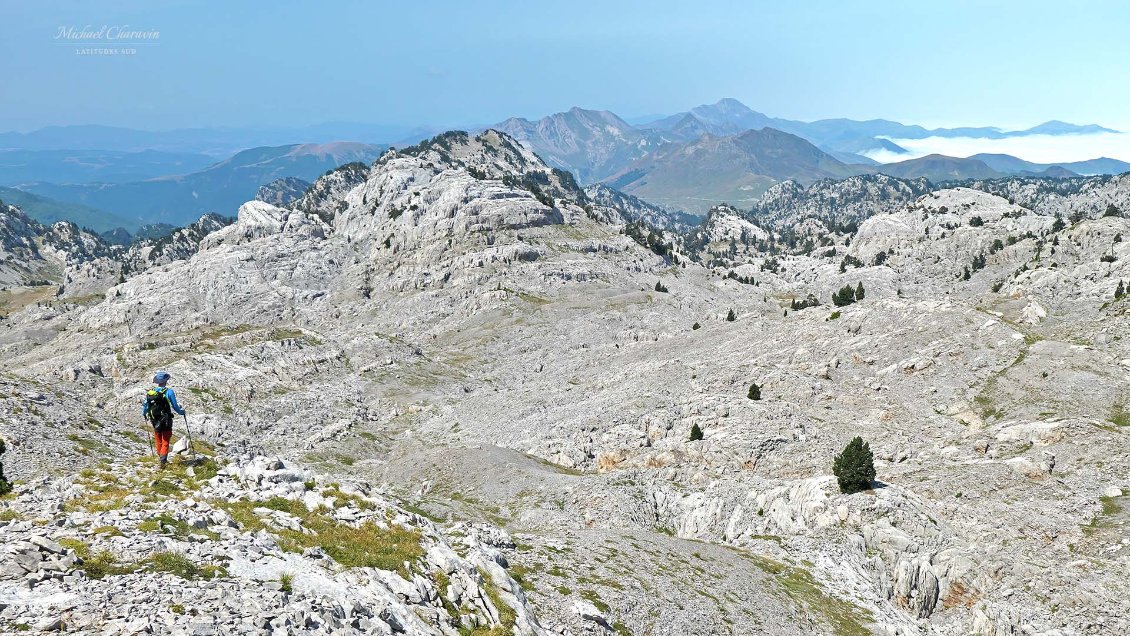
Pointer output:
188, 435
153, 436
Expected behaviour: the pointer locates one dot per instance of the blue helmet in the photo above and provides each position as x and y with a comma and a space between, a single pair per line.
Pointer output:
162, 376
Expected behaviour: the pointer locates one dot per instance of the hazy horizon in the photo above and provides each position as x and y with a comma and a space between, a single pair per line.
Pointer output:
445, 64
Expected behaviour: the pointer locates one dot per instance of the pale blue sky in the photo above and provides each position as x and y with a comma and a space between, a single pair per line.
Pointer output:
218, 63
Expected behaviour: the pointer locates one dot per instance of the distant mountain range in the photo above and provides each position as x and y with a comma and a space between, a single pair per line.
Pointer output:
215, 142
95, 166
734, 169
594, 144
695, 159
220, 188
1007, 164
729, 116
104, 177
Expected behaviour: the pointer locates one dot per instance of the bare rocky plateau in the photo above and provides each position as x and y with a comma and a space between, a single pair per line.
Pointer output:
442, 395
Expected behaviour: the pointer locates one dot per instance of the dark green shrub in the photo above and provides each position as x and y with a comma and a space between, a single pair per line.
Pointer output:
696, 432
754, 392
845, 296
660, 288
696, 326
854, 468
849, 261
731, 317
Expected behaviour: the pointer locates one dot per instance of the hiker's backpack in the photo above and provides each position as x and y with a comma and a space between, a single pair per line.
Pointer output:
159, 410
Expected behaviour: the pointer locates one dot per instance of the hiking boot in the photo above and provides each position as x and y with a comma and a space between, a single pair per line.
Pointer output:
164, 461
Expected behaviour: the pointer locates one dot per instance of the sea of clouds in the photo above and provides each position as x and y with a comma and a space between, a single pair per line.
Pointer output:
1036, 148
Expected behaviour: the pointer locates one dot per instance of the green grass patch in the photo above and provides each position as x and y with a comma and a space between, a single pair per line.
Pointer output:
1119, 416
844, 618
342, 499
89, 446
181, 566
594, 598
367, 545
174, 527
442, 583
1111, 507
98, 565
280, 334
507, 617
162, 487
223, 332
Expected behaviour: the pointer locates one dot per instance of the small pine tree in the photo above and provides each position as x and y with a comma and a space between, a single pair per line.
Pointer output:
696, 326
1119, 291
859, 291
731, 317
5, 485
965, 274
1058, 224
844, 297
696, 432
854, 468
754, 392
660, 288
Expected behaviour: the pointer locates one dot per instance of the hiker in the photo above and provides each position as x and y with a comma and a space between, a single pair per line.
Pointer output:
158, 407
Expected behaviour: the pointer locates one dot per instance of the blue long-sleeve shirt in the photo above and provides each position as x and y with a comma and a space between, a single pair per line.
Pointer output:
170, 396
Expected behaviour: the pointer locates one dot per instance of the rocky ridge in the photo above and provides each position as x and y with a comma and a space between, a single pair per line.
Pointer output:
231, 548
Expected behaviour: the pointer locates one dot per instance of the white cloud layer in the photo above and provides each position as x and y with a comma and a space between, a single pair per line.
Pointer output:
1037, 148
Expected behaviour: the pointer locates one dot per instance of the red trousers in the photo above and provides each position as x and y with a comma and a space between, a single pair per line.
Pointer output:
162, 438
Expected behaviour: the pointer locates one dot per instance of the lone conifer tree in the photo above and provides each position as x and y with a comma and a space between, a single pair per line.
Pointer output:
5, 485
854, 468
859, 291
1119, 291
696, 432
754, 392
731, 317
